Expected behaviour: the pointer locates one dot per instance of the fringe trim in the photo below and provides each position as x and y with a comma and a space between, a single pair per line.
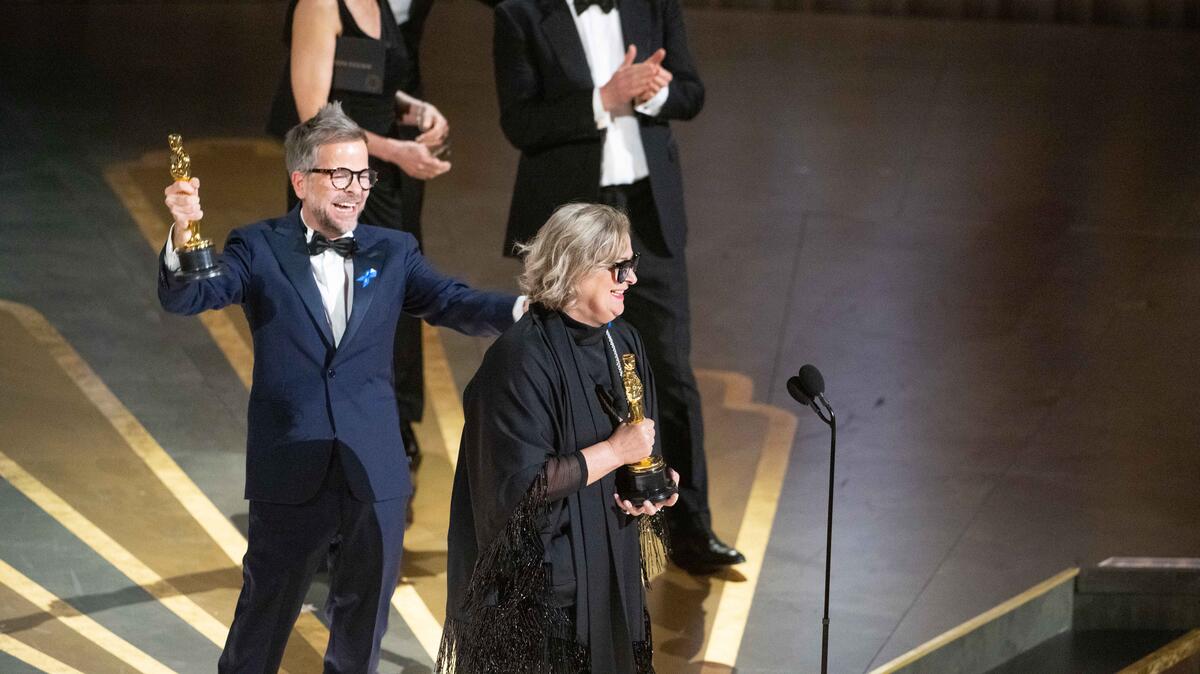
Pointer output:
643, 651
557, 655
655, 545
511, 626
453, 634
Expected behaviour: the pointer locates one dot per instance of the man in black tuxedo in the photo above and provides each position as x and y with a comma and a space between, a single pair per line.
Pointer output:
591, 123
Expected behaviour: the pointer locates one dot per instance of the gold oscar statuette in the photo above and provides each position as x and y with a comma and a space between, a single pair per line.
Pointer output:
647, 479
196, 258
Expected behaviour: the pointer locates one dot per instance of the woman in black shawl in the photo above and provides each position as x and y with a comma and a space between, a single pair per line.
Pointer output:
545, 569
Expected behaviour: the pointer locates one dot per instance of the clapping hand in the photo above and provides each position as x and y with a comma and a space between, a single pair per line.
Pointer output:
635, 82
661, 78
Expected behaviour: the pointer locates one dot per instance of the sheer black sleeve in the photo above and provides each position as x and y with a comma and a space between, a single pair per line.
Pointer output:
565, 475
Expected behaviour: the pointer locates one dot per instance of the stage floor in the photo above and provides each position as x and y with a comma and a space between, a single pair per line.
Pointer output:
987, 236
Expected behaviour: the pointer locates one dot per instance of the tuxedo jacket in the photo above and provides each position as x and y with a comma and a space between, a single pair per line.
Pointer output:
545, 90
308, 394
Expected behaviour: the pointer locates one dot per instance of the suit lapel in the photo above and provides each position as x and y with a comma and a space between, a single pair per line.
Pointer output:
558, 26
289, 248
635, 26
368, 266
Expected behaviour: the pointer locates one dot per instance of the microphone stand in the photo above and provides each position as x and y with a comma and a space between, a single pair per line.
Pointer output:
828, 417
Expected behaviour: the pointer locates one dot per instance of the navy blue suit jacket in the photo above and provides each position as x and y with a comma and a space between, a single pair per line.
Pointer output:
307, 394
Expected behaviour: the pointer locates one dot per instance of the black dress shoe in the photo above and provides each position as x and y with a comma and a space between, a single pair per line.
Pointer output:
700, 552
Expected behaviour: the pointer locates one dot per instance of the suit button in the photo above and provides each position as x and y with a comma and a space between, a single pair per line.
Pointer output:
331, 372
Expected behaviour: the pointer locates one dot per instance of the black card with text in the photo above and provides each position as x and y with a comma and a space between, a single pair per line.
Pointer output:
358, 65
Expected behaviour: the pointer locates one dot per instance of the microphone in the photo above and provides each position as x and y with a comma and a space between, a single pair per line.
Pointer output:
811, 380
796, 389
808, 388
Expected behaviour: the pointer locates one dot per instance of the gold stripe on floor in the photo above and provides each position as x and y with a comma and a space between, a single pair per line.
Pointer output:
113, 553
85, 626
126, 484
442, 393
33, 657
154, 223
754, 532
138, 438
33, 628
699, 621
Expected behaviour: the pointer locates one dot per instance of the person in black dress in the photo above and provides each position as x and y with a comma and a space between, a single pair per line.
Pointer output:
545, 561
404, 134
588, 92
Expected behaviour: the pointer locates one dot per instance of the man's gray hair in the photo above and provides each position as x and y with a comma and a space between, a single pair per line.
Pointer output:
577, 240
329, 125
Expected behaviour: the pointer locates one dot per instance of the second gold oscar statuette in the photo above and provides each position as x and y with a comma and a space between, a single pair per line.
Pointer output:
645, 480
633, 395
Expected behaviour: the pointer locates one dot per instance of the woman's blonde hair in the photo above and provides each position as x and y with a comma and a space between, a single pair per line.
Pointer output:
577, 240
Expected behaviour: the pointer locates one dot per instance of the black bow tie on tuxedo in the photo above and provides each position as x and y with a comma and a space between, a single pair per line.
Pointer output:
345, 246
605, 6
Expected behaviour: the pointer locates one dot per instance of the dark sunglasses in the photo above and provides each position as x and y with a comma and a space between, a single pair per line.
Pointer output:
341, 177
623, 267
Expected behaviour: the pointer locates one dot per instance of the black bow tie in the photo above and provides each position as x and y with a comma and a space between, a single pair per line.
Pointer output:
345, 246
605, 6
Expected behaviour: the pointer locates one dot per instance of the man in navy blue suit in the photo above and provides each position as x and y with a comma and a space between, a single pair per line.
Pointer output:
324, 458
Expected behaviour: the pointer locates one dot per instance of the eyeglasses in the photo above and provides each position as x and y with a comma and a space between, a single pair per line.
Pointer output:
623, 267
341, 177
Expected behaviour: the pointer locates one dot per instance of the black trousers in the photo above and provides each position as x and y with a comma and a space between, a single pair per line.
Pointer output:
395, 203
658, 307
287, 544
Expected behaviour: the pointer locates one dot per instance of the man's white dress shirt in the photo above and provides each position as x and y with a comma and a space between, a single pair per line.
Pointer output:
400, 9
624, 158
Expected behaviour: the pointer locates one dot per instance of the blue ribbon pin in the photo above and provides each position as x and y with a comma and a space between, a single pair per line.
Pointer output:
365, 279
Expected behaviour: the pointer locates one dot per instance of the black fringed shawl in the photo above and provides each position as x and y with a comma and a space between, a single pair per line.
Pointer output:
513, 602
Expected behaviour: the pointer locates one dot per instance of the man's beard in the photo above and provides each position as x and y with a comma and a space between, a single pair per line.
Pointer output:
326, 221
